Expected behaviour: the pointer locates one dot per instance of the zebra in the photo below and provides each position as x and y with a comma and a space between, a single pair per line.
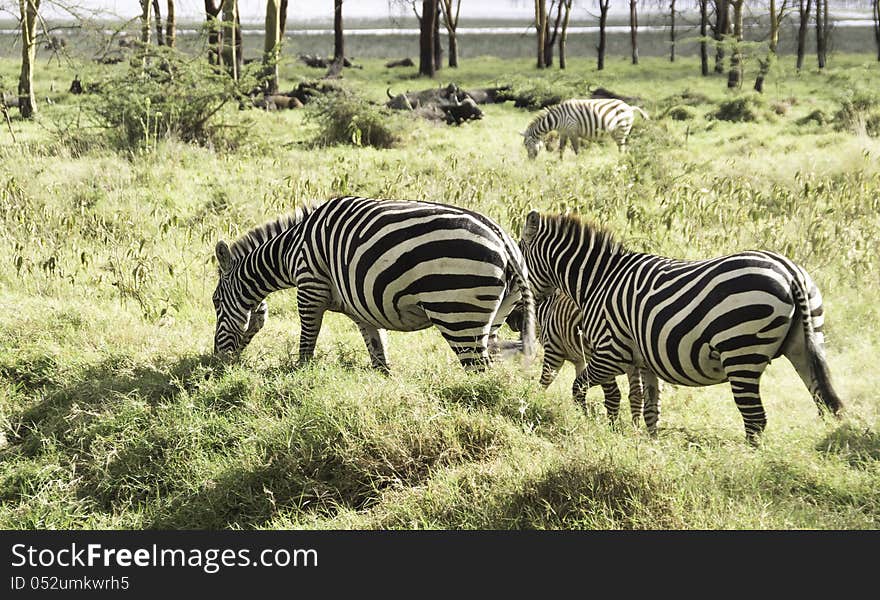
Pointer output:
560, 325
395, 265
695, 323
577, 118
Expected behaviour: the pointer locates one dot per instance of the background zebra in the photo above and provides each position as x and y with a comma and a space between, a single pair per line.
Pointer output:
402, 266
689, 322
560, 325
578, 118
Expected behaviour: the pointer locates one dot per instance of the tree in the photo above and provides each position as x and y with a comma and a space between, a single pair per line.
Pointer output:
563, 34
450, 20
722, 28
634, 31
338, 40
146, 17
772, 44
734, 77
170, 25
804, 8
875, 5
157, 17
704, 31
212, 24
541, 26
672, 31
231, 38
272, 45
822, 32
603, 20
426, 37
438, 48
27, 100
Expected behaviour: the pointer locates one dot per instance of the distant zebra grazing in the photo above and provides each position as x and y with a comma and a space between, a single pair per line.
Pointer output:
580, 118
560, 324
393, 265
693, 323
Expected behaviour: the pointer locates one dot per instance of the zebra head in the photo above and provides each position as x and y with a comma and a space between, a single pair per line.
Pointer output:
532, 143
238, 318
537, 258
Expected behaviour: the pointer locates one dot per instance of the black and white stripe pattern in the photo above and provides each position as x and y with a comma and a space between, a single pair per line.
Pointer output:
581, 118
560, 324
402, 266
691, 323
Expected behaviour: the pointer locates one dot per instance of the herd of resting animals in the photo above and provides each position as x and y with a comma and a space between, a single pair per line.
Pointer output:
406, 266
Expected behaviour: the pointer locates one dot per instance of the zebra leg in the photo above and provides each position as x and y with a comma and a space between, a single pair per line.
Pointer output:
376, 340
747, 395
579, 388
563, 138
575, 144
312, 306
636, 398
553, 361
612, 399
471, 347
651, 387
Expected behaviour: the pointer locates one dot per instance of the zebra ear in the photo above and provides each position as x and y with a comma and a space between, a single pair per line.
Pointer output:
531, 226
224, 256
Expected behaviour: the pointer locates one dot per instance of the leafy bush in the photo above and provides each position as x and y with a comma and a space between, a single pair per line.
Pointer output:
817, 117
344, 118
681, 113
859, 109
743, 109
171, 96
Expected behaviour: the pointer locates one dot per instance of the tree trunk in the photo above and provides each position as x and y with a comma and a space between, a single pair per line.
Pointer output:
672, 31
438, 48
764, 64
231, 56
820, 34
704, 31
451, 23
453, 50
634, 31
541, 26
722, 28
157, 17
563, 34
875, 5
27, 100
603, 19
146, 17
272, 45
170, 25
426, 38
215, 35
804, 8
282, 16
338, 40
550, 38
734, 77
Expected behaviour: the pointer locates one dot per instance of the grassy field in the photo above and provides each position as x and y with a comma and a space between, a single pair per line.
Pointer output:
113, 414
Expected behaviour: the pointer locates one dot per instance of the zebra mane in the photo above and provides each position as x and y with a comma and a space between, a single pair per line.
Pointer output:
262, 233
537, 121
566, 224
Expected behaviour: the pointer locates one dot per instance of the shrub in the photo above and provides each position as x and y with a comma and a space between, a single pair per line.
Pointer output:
817, 117
171, 96
681, 113
744, 109
344, 118
859, 109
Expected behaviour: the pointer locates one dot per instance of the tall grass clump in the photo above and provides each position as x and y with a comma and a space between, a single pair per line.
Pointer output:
749, 108
859, 109
170, 95
346, 118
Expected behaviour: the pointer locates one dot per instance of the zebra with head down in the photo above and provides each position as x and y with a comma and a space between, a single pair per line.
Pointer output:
689, 322
402, 266
581, 118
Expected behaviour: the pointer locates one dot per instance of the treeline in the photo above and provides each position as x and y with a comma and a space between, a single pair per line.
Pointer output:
720, 25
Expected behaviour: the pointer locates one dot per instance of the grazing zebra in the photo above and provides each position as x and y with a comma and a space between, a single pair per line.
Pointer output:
393, 265
560, 324
695, 323
578, 118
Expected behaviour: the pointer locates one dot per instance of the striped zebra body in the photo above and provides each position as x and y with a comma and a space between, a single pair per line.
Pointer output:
560, 324
402, 266
692, 323
581, 118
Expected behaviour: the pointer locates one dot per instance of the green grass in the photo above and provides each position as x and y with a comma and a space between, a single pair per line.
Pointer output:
113, 414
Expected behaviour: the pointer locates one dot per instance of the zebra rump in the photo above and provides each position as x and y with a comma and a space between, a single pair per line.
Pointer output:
695, 323
388, 265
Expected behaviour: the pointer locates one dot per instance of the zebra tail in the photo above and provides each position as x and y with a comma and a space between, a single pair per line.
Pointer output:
527, 331
815, 353
641, 112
